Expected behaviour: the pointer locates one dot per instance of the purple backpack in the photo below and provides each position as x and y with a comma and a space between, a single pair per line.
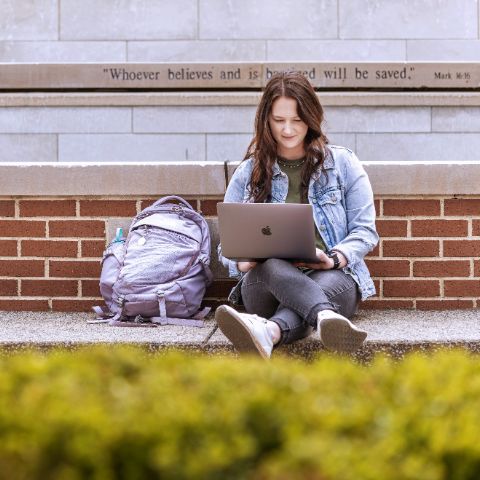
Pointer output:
158, 274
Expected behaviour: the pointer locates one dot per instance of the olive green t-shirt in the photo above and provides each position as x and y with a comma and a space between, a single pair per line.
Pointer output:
293, 170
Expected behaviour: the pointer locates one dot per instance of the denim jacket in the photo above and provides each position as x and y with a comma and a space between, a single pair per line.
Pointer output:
343, 210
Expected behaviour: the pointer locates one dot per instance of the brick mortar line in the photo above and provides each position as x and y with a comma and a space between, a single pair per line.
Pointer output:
425, 278
65, 278
70, 259
35, 237
424, 298
410, 220
425, 258
42, 218
38, 218
447, 218
419, 196
49, 278
466, 237
43, 279
376, 298
53, 239
404, 216
442, 217
118, 196
82, 218
433, 218
428, 238
115, 198
49, 298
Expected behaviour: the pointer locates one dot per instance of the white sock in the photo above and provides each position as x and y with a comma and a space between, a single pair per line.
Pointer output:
274, 331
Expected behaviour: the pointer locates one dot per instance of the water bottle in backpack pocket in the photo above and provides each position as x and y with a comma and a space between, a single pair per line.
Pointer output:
160, 272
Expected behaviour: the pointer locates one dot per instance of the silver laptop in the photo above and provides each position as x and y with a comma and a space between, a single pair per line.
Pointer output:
257, 231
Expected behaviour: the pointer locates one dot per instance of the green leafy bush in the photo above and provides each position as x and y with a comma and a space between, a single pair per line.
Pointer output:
119, 413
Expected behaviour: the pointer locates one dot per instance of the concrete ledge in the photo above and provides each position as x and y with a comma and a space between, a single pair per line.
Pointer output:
136, 99
208, 178
44, 179
427, 178
393, 332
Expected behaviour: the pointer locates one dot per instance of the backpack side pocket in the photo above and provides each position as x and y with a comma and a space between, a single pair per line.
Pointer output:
112, 262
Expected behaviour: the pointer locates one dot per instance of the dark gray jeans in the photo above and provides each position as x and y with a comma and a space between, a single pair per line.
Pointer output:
279, 291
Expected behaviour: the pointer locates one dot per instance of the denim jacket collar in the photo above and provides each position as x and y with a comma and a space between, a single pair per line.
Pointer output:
327, 164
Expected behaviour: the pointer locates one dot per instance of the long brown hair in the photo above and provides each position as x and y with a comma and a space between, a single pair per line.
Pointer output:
263, 147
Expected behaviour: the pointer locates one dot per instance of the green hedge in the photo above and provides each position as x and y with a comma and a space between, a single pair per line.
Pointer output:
123, 414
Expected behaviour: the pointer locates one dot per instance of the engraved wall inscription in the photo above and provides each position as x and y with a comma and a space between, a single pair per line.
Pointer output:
331, 75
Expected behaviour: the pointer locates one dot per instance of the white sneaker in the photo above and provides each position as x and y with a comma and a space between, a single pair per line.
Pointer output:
337, 333
248, 333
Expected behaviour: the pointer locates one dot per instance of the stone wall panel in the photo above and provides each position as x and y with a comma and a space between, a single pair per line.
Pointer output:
426, 19
128, 19
194, 119
28, 148
65, 119
197, 51
32, 20
269, 19
131, 148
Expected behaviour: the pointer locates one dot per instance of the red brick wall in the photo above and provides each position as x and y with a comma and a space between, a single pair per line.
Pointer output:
429, 253
428, 256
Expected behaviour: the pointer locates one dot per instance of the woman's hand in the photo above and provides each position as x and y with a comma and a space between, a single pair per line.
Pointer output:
324, 261
245, 266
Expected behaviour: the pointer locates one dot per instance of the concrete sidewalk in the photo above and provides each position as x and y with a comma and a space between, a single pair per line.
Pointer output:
393, 332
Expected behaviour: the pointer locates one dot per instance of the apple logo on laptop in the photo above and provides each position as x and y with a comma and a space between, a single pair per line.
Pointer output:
266, 230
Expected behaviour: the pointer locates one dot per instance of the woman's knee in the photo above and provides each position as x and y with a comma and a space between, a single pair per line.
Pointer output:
273, 266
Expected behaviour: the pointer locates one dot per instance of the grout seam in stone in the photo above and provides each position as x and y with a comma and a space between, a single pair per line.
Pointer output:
198, 20
59, 21
338, 19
